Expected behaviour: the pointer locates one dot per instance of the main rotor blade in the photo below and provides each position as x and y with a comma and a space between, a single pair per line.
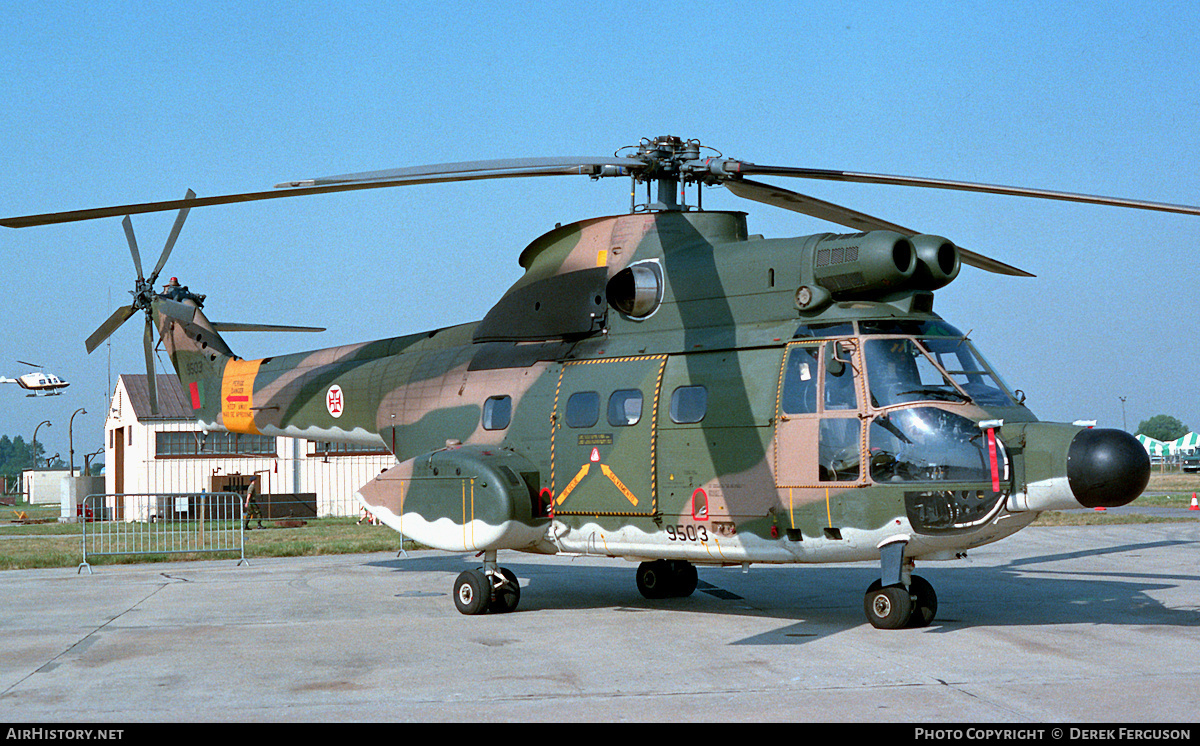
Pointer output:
31, 365
151, 379
802, 203
962, 186
465, 170
173, 308
118, 317
127, 224
224, 326
166, 252
469, 171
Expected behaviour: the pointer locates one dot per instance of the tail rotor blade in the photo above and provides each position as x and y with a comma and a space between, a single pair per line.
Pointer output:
166, 252
151, 379
120, 316
127, 224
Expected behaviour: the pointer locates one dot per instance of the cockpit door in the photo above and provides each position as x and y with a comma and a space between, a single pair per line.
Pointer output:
819, 433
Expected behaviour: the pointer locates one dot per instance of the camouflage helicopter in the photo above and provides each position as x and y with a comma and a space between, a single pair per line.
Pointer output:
664, 387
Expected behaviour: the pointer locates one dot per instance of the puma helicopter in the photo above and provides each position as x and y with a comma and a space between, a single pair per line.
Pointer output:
662, 386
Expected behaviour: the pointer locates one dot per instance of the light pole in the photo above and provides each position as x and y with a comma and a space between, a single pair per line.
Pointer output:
71, 437
33, 448
1124, 425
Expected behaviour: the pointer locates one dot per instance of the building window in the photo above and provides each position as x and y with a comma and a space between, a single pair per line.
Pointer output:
196, 444
329, 448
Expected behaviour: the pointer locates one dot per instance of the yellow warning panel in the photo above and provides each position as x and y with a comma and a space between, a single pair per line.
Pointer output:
237, 395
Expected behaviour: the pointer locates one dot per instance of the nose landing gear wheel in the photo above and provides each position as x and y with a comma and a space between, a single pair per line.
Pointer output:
507, 594
887, 611
472, 592
889, 607
924, 600
479, 591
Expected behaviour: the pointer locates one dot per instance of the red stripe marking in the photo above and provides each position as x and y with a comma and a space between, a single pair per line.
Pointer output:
195, 394
992, 459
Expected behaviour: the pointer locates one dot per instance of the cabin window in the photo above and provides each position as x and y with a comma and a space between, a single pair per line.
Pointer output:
583, 409
689, 404
625, 407
497, 412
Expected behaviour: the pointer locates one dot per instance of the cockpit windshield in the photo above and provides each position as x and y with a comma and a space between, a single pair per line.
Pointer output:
898, 372
911, 361
964, 364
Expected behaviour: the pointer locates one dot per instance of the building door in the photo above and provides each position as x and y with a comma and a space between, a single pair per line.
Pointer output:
119, 472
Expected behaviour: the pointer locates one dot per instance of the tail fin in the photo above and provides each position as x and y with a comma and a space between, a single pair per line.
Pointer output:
197, 351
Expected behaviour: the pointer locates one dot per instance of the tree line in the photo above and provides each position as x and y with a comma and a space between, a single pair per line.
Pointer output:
1162, 427
16, 456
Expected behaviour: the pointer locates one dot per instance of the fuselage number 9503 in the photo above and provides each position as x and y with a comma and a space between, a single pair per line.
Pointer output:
681, 532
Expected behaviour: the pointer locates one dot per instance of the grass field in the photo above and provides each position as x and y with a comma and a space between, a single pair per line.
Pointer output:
45, 542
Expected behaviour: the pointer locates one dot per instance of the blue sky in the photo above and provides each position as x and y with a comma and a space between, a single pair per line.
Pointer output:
110, 102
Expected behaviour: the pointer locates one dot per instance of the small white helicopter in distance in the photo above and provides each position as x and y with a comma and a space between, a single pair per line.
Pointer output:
38, 383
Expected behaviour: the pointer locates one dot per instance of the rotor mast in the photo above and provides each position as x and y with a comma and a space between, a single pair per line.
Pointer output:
665, 157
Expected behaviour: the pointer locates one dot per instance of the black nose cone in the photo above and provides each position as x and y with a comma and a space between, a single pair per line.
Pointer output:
1107, 468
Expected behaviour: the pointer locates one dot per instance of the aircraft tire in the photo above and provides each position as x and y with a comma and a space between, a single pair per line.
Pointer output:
472, 592
654, 579
508, 595
925, 602
889, 607
684, 579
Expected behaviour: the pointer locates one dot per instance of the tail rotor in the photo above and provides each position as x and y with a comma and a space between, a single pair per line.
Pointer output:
143, 298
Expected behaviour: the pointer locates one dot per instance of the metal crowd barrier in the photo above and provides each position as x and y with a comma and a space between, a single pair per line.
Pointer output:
171, 523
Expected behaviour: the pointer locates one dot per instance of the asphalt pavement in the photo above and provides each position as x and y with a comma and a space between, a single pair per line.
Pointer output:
1055, 624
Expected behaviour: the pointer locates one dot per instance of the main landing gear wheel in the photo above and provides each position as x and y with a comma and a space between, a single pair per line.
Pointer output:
477, 591
895, 606
667, 579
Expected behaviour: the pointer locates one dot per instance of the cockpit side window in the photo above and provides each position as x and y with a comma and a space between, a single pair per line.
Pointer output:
840, 389
799, 394
833, 364
839, 451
